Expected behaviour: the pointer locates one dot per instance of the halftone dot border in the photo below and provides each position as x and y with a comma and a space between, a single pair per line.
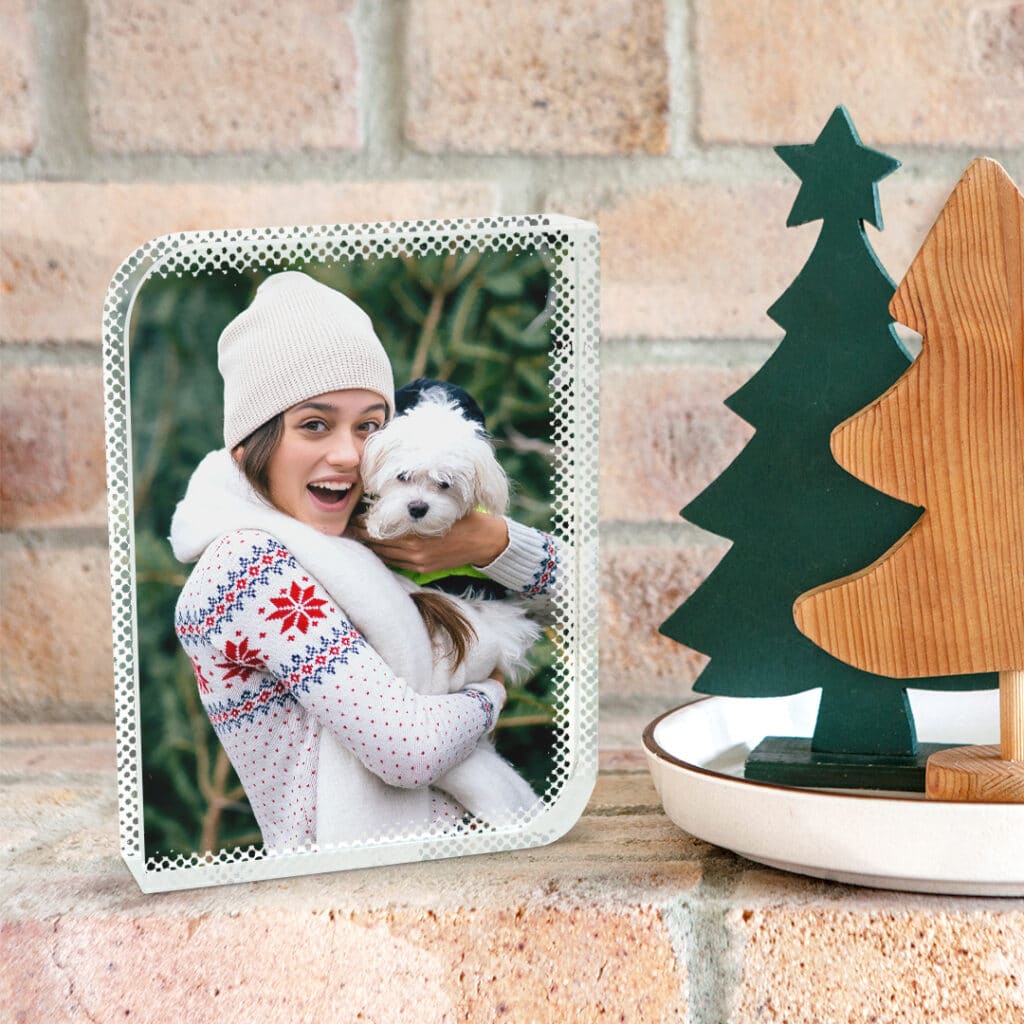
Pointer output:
572, 250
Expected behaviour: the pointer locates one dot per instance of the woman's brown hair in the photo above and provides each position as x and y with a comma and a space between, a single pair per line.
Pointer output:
446, 625
257, 450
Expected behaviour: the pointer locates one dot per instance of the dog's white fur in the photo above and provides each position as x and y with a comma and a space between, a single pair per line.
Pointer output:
427, 469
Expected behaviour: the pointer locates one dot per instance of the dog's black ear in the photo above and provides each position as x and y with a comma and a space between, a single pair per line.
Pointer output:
408, 396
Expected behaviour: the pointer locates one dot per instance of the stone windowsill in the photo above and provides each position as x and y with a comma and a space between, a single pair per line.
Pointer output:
626, 918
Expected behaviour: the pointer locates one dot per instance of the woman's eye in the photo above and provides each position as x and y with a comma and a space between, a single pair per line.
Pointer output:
313, 426
370, 427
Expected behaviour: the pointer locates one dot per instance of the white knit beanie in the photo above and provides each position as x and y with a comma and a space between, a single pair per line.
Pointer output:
297, 339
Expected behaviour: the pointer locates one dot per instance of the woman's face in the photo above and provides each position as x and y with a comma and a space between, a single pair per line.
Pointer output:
314, 470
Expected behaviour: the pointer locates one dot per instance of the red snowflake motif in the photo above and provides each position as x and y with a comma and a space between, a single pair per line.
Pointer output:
297, 609
241, 661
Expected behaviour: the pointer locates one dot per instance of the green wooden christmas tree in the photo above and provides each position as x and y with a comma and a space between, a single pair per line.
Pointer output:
796, 518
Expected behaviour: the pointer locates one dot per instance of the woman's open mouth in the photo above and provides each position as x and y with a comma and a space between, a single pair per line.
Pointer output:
329, 493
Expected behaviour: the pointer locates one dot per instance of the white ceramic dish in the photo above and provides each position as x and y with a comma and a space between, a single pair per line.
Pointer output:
889, 841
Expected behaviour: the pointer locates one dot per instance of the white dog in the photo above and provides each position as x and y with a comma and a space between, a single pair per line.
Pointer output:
428, 468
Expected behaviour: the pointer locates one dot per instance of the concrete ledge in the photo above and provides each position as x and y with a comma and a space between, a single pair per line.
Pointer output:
626, 918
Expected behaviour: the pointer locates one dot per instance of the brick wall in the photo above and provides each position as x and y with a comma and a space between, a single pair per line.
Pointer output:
124, 120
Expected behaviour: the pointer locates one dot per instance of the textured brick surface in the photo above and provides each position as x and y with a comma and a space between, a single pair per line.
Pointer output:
55, 631
573, 931
809, 956
708, 260
17, 132
692, 260
949, 73
526, 964
665, 435
51, 448
640, 587
568, 76
61, 243
231, 77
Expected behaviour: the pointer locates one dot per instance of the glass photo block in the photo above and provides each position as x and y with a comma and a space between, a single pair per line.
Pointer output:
355, 621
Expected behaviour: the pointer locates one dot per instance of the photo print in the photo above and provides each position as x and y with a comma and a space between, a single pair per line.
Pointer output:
352, 485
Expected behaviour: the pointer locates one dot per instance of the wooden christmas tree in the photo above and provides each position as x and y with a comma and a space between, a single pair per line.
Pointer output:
795, 517
948, 597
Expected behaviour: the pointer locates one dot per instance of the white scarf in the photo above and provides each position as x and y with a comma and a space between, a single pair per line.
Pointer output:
352, 803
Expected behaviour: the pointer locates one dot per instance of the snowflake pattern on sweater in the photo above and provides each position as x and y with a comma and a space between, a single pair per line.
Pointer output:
276, 662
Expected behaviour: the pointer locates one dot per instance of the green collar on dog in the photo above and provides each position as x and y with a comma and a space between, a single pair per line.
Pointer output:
423, 578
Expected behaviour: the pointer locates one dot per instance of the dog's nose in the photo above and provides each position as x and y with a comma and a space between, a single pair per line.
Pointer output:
418, 509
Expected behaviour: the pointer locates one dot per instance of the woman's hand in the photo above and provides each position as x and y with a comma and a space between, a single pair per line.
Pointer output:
476, 539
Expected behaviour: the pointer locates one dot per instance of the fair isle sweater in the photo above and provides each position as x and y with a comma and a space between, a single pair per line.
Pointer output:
277, 663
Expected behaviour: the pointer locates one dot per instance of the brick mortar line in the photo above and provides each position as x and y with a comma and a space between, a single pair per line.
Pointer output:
60, 711
382, 83
539, 177
87, 778
624, 810
704, 944
684, 80
26, 355
59, 79
718, 353
56, 538
620, 534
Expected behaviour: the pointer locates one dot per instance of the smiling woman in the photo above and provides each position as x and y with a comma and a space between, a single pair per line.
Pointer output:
313, 470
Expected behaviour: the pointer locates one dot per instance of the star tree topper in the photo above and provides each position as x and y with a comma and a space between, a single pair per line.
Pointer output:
839, 174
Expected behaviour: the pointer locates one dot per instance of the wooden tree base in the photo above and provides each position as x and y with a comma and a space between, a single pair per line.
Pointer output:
975, 775
790, 761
